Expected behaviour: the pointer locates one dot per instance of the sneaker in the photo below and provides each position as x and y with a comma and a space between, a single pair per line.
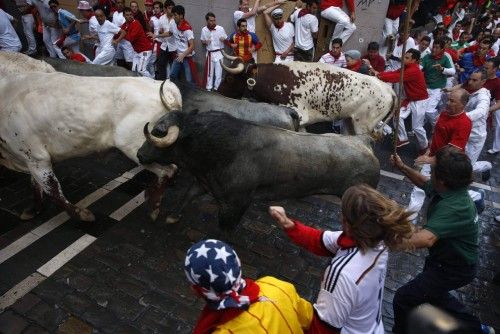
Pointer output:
480, 202
487, 329
401, 143
491, 151
485, 176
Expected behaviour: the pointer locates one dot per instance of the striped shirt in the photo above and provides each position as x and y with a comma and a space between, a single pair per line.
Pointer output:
244, 41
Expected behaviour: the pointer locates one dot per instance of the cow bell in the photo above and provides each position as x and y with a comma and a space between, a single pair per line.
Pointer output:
251, 83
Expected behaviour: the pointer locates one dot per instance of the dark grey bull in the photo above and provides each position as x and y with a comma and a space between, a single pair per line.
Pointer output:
262, 113
89, 70
238, 161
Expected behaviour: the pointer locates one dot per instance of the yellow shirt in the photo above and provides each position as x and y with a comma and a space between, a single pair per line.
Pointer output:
280, 310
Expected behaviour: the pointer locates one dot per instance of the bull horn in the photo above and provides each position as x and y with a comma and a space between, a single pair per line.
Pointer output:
228, 57
162, 96
251, 83
162, 142
237, 70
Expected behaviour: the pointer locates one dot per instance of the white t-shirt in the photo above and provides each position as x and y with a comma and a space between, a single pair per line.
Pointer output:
170, 41
93, 24
327, 58
352, 288
215, 43
477, 110
106, 32
118, 19
283, 37
305, 26
9, 41
398, 52
250, 20
182, 39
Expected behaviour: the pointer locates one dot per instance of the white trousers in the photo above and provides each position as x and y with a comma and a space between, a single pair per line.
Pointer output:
69, 42
28, 28
104, 56
390, 27
343, 25
432, 102
496, 133
417, 196
124, 50
417, 111
214, 76
140, 63
50, 35
473, 150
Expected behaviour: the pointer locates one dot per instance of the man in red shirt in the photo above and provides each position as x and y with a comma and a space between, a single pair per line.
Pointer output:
143, 46
452, 128
374, 57
75, 56
416, 98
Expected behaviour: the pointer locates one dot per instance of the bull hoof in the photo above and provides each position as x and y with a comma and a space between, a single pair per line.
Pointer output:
85, 215
172, 219
28, 213
154, 214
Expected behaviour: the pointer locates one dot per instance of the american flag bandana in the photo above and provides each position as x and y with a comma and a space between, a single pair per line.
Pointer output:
214, 269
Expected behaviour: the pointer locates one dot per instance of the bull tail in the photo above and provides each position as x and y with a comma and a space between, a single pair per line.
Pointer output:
378, 131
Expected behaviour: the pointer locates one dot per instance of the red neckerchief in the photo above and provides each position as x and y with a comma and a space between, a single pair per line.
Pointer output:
336, 58
279, 25
303, 12
209, 319
344, 241
158, 15
438, 56
455, 35
211, 29
478, 60
354, 67
184, 25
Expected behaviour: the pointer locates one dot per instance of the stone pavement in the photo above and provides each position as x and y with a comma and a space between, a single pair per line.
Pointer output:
131, 279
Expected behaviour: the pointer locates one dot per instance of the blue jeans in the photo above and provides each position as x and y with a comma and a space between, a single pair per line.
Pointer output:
176, 69
432, 286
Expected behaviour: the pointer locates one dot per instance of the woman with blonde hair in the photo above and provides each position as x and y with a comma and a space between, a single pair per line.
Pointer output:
351, 294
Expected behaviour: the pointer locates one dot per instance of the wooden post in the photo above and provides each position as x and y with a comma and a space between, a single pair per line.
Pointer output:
401, 74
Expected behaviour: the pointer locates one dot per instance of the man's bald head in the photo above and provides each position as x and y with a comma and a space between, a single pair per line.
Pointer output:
457, 100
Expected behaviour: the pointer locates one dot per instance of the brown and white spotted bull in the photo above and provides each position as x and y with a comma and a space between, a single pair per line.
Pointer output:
319, 92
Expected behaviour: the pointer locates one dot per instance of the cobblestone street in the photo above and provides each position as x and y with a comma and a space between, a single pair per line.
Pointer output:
131, 279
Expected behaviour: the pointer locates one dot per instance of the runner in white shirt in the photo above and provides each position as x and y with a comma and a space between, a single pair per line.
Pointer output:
283, 34
306, 30
105, 31
9, 41
335, 57
352, 288
213, 37
394, 59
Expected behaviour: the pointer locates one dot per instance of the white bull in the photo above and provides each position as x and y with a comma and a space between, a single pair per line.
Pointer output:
16, 63
319, 92
49, 117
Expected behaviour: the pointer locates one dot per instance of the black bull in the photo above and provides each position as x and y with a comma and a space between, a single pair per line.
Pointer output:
238, 161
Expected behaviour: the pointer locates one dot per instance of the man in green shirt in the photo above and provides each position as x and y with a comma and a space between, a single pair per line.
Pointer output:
451, 234
437, 67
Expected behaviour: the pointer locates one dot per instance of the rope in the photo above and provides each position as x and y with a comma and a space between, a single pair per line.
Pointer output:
401, 74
